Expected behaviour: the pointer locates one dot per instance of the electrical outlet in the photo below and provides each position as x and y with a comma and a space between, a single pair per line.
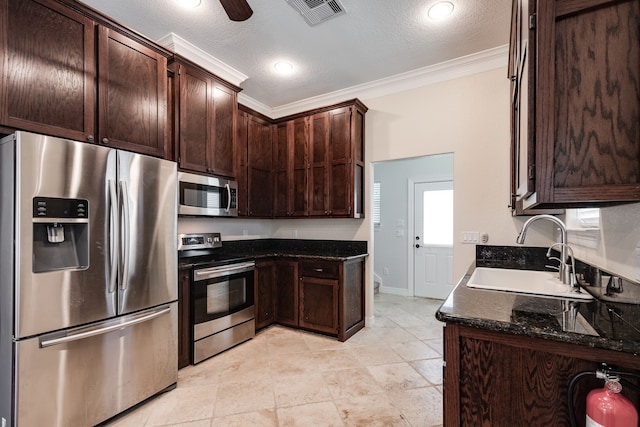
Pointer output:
294, 233
385, 271
245, 232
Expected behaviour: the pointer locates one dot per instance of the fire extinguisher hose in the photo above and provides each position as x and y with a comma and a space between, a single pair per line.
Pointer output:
572, 384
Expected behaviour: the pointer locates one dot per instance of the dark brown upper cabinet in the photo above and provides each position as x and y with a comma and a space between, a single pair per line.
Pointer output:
48, 80
291, 146
581, 147
254, 164
71, 73
335, 165
206, 120
259, 167
132, 84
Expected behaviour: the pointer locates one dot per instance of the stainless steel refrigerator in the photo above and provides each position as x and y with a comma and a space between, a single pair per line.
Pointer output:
88, 280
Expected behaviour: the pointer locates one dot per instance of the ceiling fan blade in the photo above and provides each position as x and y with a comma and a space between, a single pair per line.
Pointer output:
238, 10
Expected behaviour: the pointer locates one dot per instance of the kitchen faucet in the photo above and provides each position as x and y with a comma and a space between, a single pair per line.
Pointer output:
569, 270
562, 275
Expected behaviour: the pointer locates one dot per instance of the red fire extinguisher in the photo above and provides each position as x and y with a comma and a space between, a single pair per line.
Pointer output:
606, 407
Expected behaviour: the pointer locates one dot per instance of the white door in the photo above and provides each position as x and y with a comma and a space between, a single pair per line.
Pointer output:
433, 240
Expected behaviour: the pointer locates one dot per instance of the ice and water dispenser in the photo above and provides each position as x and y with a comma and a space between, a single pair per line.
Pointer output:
60, 234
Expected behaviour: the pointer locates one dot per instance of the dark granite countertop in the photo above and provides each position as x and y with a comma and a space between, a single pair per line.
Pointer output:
599, 324
328, 250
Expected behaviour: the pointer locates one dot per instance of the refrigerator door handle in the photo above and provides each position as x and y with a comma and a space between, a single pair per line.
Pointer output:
228, 197
84, 333
124, 193
113, 236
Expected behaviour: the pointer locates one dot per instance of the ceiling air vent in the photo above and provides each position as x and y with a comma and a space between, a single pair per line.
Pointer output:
317, 11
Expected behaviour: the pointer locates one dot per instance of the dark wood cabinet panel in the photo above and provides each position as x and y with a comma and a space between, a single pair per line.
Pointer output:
291, 144
318, 164
319, 304
260, 167
298, 181
184, 313
493, 378
281, 169
340, 160
194, 129
224, 125
47, 78
207, 120
133, 95
581, 147
286, 287
242, 135
265, 276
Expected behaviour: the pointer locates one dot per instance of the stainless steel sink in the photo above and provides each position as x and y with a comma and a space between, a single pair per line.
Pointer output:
543, 283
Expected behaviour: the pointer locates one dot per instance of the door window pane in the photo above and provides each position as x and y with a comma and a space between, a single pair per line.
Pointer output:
438, 217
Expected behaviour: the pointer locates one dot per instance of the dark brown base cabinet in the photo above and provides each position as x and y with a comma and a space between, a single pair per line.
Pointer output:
320, 296
184, 312
500, 379
264, 279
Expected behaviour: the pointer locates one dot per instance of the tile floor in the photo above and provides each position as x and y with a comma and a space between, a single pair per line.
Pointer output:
388, 374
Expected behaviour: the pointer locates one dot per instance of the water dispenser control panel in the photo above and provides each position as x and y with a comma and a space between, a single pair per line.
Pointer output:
50, 207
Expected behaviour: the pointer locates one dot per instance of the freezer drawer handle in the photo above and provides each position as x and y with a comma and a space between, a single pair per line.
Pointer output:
93, 332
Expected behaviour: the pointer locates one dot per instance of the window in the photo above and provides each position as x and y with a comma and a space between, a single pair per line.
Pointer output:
376, 204
583, 227
438, 217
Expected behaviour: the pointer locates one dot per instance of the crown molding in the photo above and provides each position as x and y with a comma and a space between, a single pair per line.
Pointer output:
202, 58
468, 65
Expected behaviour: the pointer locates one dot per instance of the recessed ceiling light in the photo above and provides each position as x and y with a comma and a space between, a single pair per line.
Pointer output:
283, 67
440, 11
189, 3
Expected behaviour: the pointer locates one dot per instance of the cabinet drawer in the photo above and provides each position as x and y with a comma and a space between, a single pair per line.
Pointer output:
323, 269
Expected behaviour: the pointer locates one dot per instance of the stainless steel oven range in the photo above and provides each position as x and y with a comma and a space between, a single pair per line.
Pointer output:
222, 296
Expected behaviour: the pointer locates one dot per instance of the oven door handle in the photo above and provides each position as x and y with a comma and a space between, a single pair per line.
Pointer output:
227, 270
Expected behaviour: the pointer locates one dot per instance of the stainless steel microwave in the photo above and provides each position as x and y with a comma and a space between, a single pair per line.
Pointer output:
200, 195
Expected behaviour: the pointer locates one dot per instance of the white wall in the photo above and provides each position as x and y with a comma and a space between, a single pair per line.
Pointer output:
392, 251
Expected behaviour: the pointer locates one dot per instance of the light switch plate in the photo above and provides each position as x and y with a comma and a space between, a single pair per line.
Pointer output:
470, 237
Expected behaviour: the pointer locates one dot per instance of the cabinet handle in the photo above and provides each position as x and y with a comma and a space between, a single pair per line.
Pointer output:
105, 140
90, 138
319, 270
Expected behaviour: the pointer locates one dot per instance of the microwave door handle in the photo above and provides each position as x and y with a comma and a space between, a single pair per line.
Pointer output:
124, 193
113, 236
228, 197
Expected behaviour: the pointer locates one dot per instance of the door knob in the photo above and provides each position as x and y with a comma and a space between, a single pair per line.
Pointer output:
417, 245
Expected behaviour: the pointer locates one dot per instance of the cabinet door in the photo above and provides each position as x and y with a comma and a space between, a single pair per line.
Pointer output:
319, 165
225, 108
587, 102
286, 291
319, 304
132, 93
265, 274
340, 171
194, 118
47, 73
260, 168
241, 162
298, 181
281, 167
184, 313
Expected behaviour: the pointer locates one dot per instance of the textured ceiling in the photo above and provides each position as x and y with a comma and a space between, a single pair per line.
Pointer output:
373, 40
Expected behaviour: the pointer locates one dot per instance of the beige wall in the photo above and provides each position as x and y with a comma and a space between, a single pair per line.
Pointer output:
469, 117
